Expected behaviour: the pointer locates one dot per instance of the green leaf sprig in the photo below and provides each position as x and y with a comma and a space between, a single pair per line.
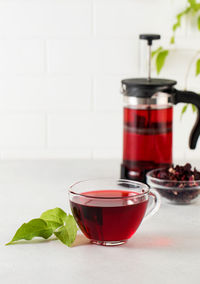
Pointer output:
54, 221
162, 53
198, 67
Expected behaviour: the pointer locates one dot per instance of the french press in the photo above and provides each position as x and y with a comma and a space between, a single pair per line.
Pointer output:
148, 115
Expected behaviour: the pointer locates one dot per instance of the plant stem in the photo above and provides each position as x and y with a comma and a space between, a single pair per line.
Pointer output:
189, 69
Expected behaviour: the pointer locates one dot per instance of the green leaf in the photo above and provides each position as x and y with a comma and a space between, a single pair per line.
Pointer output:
172, 40
34, 228
51, 221
194, 108
198, 23
175, 26
54, 217
153, 53
67, 233
179, 18
160, 60
198, 67
184, 109
193, 4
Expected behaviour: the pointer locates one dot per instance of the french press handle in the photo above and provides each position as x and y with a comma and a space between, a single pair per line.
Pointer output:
190, 98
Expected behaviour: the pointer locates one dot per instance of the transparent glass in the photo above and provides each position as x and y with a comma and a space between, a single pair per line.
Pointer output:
176, 192
109, 211
147, 140
147, 134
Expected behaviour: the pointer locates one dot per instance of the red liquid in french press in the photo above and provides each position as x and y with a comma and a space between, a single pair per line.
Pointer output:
147, 139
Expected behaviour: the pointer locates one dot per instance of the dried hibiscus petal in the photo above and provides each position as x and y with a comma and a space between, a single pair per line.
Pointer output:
179, 173
181, 178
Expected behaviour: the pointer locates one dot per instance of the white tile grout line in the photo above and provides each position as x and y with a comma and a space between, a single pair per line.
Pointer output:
92, 101
93, 18
45, 130
45, 56
92, 109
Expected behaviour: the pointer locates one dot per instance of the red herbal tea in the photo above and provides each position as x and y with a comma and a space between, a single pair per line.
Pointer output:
108, 215
147, 140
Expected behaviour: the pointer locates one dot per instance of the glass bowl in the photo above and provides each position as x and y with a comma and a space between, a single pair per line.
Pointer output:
177, 192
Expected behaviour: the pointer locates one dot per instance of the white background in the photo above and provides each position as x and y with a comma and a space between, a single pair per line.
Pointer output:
61, 63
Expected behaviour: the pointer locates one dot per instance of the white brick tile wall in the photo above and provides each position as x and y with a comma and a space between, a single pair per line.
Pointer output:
107, 130
107, 94
21, 131
102, 56
18, 56
70, 130
108, 153
45, 92
61, 63
128, 18
72, 92
116, 56
69, 56
45, 18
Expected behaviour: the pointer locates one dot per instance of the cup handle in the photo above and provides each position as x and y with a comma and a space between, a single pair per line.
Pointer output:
155, 205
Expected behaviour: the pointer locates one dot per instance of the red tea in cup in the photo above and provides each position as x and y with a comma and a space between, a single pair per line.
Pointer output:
109, 216
111, 219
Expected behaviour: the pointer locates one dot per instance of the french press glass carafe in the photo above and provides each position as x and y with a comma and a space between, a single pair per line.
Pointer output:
148, 115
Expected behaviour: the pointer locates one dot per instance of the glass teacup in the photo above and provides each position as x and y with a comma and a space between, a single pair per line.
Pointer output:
109, 211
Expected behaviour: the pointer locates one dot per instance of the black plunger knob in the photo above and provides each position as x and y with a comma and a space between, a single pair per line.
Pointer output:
149, 37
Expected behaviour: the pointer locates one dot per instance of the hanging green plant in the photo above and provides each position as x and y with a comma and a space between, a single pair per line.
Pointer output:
161, 53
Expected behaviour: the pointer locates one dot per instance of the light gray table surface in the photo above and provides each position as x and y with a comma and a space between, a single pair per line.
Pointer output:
165, 249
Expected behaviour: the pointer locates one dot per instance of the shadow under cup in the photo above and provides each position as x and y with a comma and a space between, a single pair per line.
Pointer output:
109, 211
